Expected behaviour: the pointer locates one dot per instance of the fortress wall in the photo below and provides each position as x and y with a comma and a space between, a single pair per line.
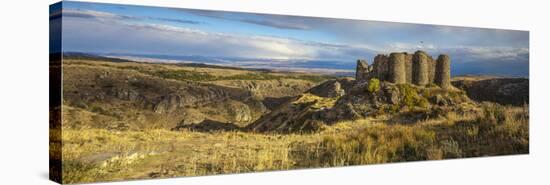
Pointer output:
408, 67
431, 69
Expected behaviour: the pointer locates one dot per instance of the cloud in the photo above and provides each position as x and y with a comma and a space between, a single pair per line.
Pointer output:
90, 14
274, 21
103, 32
183, 21
104, 16
277, 24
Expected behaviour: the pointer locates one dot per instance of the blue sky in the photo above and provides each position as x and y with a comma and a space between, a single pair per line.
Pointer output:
124, 29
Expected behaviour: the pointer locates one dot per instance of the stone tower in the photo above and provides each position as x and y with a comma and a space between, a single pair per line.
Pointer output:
443, 71
397, 68
361, 70
420, 68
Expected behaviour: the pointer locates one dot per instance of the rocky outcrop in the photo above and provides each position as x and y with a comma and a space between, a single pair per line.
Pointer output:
506, 91
316, 112
328, 89
270, 88
240, 112
362, 69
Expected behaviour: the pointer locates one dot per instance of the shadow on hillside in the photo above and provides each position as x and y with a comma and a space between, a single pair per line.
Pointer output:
272, 103
410, 117
209, 126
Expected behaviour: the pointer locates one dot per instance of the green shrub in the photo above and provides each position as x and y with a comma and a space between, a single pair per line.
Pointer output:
411, 98
374, 85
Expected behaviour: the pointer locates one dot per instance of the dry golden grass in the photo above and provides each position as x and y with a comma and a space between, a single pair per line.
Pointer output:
102, 155
497, 130
317, 101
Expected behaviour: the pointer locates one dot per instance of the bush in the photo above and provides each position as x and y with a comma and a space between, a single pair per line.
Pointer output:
411, 98
493, 113
374, 85
451, 149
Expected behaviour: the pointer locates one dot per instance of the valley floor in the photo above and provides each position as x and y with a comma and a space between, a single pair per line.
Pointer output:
91, 155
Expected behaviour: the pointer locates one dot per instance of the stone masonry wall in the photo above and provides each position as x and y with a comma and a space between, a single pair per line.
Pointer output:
418, 68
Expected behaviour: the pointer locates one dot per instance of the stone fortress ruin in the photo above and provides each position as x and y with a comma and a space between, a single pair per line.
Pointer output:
418, 69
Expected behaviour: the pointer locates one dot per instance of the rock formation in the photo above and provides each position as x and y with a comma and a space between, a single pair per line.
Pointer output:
505, 91
329, 89
361, 69
418, 68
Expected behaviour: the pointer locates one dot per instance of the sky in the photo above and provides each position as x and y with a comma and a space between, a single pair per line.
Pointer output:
279, 40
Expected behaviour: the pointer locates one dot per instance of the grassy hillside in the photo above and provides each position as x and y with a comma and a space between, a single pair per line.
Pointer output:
105, 155
130, 120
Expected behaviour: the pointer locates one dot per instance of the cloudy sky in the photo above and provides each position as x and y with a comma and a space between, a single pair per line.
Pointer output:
276, 39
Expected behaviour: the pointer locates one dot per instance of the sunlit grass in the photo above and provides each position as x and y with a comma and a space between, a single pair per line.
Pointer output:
103, 155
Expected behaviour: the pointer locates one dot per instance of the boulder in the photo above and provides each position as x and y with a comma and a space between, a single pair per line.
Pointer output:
329, 89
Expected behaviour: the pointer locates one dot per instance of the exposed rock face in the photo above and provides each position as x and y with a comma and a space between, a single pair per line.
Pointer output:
418, 68
104, 95
357, 103
361, 70
397, 68
306, 115
241, 113
506, 91
329, 89
443, 71
167, 103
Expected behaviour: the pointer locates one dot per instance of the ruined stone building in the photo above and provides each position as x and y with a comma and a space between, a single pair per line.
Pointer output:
418, 69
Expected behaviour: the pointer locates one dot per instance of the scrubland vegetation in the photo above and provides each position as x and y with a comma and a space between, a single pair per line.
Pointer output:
104, 155
127, 120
